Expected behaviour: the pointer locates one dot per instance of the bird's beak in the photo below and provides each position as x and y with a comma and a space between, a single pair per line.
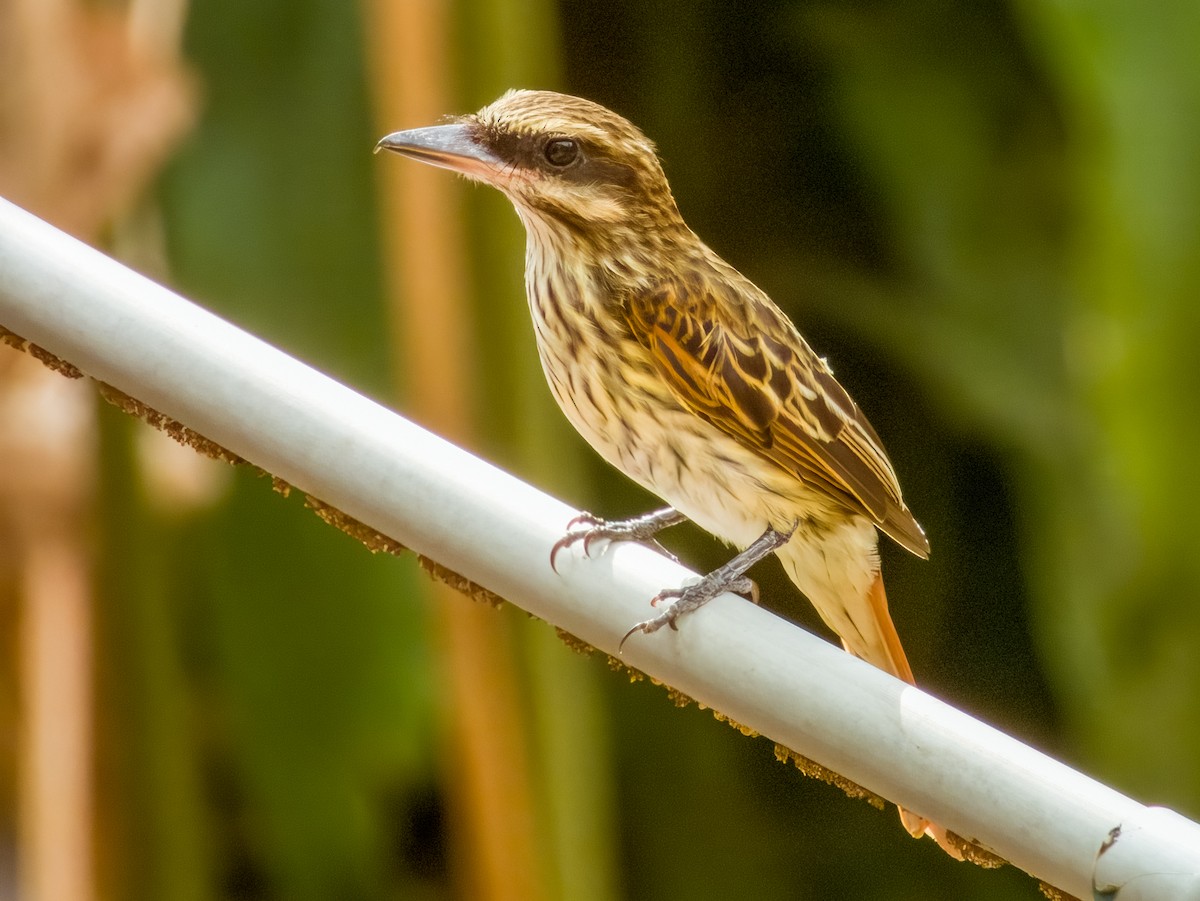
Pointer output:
449, 146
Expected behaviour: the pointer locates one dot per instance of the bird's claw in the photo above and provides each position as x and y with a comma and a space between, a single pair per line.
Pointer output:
692, 597
743, 585
589, 528
730, 577
750, 593
666, 618
572, 535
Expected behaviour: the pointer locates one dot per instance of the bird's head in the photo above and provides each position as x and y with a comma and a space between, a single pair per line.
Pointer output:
564, 162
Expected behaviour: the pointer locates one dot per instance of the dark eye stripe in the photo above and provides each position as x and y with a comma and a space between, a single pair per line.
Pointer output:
592, 164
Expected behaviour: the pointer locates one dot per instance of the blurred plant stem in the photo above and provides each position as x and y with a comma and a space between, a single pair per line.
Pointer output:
93, 99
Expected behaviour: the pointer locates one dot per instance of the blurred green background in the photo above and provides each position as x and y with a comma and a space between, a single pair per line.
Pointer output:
987, 216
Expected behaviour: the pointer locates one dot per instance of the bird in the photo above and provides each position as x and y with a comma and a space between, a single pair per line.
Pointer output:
683, 374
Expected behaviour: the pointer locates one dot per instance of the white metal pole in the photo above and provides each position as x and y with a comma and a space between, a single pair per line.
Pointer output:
742, 660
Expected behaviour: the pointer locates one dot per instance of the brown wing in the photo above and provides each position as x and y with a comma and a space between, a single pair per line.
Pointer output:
741, 365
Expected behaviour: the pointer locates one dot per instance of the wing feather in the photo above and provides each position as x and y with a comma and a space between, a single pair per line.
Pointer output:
732, 358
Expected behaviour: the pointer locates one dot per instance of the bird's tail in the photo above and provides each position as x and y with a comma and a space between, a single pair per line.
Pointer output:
867, 632
843, 581
880, 646
877, 640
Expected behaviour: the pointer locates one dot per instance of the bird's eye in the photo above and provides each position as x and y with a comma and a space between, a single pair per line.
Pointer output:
561, 152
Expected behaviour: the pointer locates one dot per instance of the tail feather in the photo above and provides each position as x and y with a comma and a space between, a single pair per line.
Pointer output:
882, 648
881, 642
867, 632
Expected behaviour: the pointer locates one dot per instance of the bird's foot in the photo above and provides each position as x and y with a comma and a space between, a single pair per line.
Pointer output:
588, 528
693, 597
702, 590
730, 577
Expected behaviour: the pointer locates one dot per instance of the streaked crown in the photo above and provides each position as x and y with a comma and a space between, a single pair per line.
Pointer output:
573, 161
